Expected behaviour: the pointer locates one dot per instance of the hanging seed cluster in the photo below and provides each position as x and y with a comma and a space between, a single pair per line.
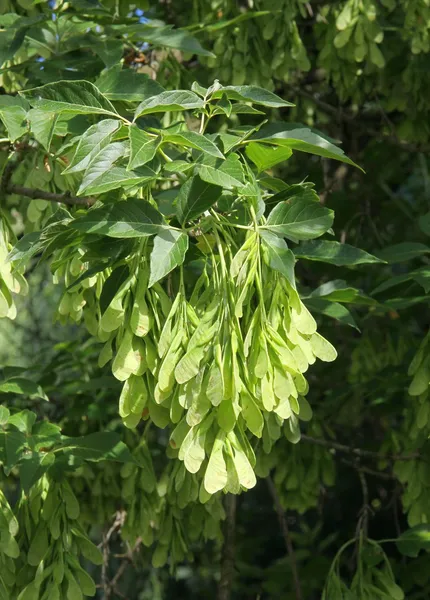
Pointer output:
219, 363
51, 544
11, 279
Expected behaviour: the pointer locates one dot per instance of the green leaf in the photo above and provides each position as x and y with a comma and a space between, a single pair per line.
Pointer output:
110, 51
91, 143
103, 445
252, 93
265, 157
339, 291
23, 420
402, 252
26, 247
12, 445
26, 387
299, 219
334, 253
117, 84
218, 177
167, 37
177, 100
4, 414
42, 126
101, 164
298, 137
194, 197
116, 177
142, 147
191, 139
33, 467
76, 97
169, 251
278, 256
13, 112
331, 309
126, 219
413, 540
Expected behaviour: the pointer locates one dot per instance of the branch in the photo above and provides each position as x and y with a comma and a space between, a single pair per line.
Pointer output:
363, 469
35, 194
287, 537
358, 451
228, 549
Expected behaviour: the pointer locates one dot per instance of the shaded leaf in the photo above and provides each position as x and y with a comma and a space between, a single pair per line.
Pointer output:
126, 84
299, 219
300, 138
334, 253
142, 147
331, 309
402, 252
194, 197
129, 218
265, 157
278, 256
169, 251
191, 139
168, 101
103, 445
77, 97
252, 93
91, 143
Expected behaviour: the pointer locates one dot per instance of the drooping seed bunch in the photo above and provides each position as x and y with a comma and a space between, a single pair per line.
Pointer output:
219, 362
53, 541
9, 549
11, 278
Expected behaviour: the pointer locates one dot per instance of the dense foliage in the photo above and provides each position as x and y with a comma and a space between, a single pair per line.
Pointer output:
233, 401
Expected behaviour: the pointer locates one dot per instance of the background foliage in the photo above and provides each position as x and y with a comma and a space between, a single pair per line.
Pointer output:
317, 519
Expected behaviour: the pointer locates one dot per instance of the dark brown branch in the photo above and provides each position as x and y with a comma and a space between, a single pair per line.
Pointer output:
358, 451
380, 474
287, 537
35, 194
228, 549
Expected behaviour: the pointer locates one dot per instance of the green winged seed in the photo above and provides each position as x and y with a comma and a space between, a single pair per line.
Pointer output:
267, 394
233, 483
251, 413
167, 372
228, 412
244, 469
127, 360
283, 408
215, 389
303, 320
194, 451
421, 380
322, 348
305, 413
39, 546
216, 473
200, 406
188, 366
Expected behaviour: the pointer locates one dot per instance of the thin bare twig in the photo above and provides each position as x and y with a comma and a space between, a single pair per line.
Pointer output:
379, 474
357, 451
287, 537
35, 194
228, 549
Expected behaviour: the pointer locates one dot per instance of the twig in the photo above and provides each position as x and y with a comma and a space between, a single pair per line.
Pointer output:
358, 451
105, 581
35, 194
370, 471
287, 537
228, 549
363, 522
